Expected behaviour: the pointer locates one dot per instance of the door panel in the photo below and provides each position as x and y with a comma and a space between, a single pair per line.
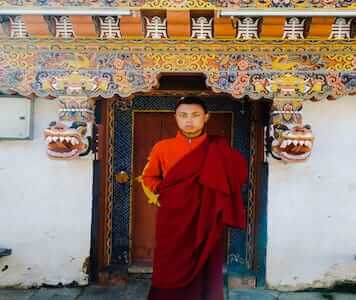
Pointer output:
150, 127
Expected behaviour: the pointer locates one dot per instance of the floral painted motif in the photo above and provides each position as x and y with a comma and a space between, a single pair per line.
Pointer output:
284, 3
270, 75
91, 74
349, 81
333, 3
179, 4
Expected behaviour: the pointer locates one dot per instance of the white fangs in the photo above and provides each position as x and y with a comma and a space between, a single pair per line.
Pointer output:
308, 144
73, 140
286, 143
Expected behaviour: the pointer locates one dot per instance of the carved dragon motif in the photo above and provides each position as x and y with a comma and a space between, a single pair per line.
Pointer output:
71, 136
67, 141
290, 139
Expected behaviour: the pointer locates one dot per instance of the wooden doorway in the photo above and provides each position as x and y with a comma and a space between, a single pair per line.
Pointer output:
149, 128
117, 241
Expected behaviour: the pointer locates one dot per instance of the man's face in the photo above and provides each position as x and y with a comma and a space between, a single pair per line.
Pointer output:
191, 118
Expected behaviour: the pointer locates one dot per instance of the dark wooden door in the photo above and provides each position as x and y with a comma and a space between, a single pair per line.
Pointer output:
150, 127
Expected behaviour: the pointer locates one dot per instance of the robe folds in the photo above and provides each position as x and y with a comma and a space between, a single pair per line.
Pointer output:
199, 196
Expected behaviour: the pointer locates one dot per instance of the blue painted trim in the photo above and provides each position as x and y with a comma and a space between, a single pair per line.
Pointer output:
262, 228
95, 208
237, 246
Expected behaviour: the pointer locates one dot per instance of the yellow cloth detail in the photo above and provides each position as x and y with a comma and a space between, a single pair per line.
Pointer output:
152, 197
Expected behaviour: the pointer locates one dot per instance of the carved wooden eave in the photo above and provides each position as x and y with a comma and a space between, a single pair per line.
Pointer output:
254, 68
183, 4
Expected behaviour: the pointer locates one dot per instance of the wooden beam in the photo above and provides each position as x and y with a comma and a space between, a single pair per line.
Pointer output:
178, 24
83, 26
320, 27
224, 28
272, 27
131, 27
36, 26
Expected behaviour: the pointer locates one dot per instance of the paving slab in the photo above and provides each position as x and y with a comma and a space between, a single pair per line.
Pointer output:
15, 294
56, 294
102, 293
305, 296
252, 294
137, 290
339, 296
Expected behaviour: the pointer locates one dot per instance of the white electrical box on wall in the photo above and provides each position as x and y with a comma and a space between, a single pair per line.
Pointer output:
15, 117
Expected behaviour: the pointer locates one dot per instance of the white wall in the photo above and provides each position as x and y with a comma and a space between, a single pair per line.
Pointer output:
312, 205
45, 210
45, 207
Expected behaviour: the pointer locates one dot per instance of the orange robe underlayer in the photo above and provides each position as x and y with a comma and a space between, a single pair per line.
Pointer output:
164, 155
191, 269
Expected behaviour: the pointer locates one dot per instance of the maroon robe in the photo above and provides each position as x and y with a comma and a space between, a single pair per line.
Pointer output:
199, 196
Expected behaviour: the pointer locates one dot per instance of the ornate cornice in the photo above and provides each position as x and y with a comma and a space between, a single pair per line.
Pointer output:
181, 24
182, 4
313, 70
182, 46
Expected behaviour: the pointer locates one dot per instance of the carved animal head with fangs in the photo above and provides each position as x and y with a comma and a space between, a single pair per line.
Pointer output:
294, 145
66, 141
290, 139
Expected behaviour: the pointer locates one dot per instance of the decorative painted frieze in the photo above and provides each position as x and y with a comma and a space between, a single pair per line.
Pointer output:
297, 4
256, 69
247, 28
183, 4
109, 27
156, 27
17, 27
202, 28
270, 76
63, 27
76, 108
294, 29
341, 29
177, 24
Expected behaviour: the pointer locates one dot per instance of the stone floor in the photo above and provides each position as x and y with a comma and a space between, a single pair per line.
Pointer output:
137, 290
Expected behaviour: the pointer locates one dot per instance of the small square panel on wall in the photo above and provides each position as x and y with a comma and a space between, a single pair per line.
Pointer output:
15, 117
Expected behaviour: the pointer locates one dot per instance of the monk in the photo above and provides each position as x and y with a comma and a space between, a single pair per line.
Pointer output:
195, 180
